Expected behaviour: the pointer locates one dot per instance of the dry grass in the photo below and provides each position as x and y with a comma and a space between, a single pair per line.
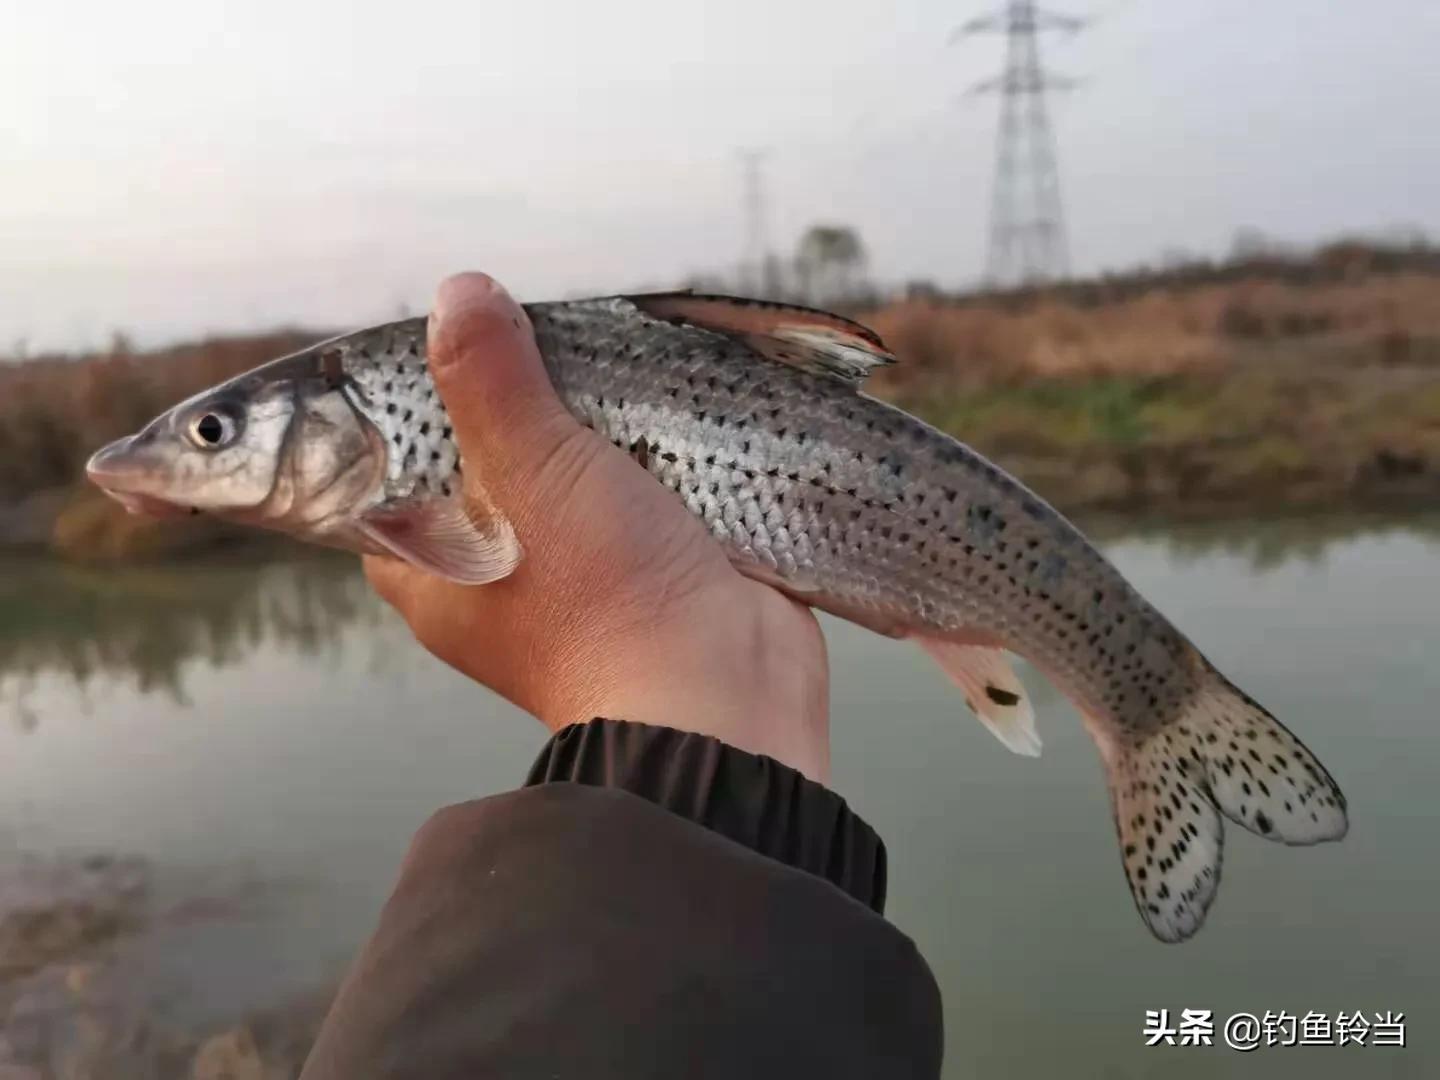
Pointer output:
54, 411
1163, 331
1250, 392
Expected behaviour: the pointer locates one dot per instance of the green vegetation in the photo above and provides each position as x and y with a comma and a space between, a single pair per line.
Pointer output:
1278, 436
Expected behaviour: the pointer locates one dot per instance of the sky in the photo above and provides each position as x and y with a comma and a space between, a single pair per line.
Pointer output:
176, 167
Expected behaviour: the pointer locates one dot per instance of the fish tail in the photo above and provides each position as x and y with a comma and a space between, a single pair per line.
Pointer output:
1223, 754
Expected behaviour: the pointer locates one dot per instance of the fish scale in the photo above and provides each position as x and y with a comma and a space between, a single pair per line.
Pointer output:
855, 479
750, 413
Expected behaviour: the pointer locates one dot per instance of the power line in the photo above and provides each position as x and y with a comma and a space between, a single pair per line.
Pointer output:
1027, 220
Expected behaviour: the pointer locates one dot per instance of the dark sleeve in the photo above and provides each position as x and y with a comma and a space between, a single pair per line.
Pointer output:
653, 904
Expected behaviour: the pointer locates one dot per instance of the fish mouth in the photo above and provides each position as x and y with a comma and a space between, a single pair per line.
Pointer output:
148, 505
112, 470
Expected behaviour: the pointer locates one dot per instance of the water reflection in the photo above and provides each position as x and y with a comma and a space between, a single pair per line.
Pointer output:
1262, 543
145, 625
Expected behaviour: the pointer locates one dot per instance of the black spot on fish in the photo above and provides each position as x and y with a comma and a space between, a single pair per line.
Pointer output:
1262, 822
1001, 697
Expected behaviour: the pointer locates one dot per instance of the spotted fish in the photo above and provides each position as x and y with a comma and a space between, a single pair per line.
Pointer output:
751, 413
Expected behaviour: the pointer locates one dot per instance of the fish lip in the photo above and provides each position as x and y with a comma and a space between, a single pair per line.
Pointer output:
100, 470
118, 483
148, 505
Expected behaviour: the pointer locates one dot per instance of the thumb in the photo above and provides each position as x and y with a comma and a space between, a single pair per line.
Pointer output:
487, 367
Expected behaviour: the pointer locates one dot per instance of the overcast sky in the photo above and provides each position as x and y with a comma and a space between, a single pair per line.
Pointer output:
174, 166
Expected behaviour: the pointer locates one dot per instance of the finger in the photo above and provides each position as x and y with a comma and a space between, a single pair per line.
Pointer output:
488, 370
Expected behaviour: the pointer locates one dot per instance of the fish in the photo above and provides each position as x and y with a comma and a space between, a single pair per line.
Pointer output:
752, 413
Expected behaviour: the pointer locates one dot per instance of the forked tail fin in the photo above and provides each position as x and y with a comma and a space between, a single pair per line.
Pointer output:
1225, 754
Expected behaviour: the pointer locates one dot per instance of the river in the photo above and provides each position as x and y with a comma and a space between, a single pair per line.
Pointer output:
258, 742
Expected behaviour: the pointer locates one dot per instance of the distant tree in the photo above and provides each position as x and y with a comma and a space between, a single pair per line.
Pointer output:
773, 285
121, 344
1251, 243
1178, 258
1404, 236
830, 264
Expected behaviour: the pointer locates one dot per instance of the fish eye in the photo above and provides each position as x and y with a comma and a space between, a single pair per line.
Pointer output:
212, 430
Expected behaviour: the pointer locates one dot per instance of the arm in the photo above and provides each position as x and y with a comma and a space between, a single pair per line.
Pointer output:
584, 931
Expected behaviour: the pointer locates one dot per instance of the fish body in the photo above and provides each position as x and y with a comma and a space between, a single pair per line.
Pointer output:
751, 414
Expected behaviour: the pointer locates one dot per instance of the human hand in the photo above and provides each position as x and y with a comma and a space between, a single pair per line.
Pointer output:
622, 606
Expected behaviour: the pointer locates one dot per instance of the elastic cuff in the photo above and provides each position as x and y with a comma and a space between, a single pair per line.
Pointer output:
755, 801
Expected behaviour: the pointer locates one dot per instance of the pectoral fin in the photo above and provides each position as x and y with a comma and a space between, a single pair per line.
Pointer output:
452, 538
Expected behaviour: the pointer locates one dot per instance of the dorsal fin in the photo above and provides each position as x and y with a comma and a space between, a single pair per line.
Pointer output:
813, 341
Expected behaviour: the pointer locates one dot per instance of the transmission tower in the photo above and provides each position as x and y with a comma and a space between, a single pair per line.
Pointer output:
753, 257
1027, 221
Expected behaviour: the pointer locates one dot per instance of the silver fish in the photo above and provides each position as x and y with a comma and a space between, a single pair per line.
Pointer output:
751, 414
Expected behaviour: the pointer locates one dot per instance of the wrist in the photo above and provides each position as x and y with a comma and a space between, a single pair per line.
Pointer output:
737, 672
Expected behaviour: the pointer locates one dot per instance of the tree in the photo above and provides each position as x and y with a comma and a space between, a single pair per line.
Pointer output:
829, 264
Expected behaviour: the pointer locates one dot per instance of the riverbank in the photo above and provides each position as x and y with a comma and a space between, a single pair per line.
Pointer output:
1259, 388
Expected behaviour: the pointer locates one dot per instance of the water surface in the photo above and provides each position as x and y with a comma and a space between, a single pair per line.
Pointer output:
267, 738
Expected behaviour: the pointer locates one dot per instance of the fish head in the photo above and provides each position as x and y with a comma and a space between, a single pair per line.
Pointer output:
283, 447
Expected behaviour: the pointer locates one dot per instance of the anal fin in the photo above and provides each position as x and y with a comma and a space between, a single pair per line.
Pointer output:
992, 690
449, 537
